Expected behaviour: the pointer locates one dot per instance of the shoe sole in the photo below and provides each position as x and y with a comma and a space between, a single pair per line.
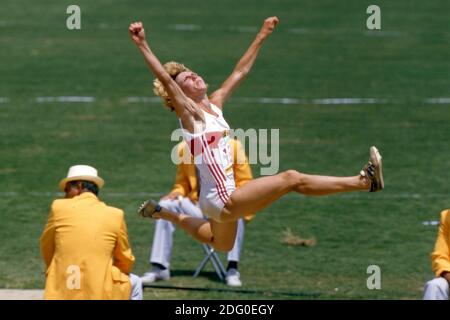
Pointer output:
376, 159
144, 212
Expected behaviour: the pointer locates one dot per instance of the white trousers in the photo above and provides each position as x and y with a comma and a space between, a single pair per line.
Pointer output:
163, 236
136, 287
436, 289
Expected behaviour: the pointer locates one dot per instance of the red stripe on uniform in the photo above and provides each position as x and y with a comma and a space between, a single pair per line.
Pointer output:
217, 166
214, 163
224, 189
221, 190
219, 184
213, 173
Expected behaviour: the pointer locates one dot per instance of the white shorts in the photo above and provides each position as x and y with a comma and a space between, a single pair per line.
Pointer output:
212, 199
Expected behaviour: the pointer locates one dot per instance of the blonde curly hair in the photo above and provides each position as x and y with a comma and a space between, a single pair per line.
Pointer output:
173, 69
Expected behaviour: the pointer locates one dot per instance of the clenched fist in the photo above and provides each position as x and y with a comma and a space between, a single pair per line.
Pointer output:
137, 32
268, 26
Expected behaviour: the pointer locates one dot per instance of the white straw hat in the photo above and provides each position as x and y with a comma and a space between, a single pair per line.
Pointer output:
81, 172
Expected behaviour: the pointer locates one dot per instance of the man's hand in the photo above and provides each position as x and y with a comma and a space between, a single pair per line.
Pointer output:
171, 196
137, 33
268, 27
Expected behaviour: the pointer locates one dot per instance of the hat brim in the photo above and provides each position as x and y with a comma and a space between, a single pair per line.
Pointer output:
97, 180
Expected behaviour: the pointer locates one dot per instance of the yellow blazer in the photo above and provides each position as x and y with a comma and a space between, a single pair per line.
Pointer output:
440, 258
186, 177
86, 250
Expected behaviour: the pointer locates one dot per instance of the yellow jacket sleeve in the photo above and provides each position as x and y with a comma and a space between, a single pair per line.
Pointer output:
123, 257
242, 170
440, 257
47, 241
181, 184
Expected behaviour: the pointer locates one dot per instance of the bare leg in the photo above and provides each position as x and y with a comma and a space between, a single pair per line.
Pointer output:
220, 236
254, 196
259, 193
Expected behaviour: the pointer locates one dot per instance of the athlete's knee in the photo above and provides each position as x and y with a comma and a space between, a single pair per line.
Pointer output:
292, 177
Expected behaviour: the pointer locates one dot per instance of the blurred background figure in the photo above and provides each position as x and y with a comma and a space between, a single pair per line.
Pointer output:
437, 289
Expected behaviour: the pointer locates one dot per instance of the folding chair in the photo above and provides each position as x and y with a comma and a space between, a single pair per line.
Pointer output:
217, 264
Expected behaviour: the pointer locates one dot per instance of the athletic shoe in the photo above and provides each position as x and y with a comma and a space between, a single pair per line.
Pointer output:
233, 278
155, 274
149, 208
373, 171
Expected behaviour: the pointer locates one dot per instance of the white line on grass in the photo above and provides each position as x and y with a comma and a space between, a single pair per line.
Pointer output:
82, 99
299, 30
265, 100
253, 100
4, 100
142, 99
245, 29
373, 33
196, 27
438, 101
431, 223
9, 194
379, 33
287, 101
326, 101
336, 101
186, 27
295, 31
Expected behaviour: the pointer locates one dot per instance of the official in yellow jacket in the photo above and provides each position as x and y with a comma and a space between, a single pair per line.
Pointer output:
85, 244
184, 198
438, 288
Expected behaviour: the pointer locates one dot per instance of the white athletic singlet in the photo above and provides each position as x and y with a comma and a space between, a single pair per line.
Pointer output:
213, 159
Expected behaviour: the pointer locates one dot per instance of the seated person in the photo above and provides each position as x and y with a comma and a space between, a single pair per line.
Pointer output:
85, 244
437, 289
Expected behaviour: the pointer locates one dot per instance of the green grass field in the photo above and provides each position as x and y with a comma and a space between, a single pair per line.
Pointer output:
320, 50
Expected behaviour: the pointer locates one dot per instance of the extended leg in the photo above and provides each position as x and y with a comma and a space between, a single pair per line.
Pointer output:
259, 193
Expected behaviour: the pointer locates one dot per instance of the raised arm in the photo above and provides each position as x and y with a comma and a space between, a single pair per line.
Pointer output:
179, 99
244, 65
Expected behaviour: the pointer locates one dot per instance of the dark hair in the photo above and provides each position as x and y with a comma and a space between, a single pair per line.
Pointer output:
87, 185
